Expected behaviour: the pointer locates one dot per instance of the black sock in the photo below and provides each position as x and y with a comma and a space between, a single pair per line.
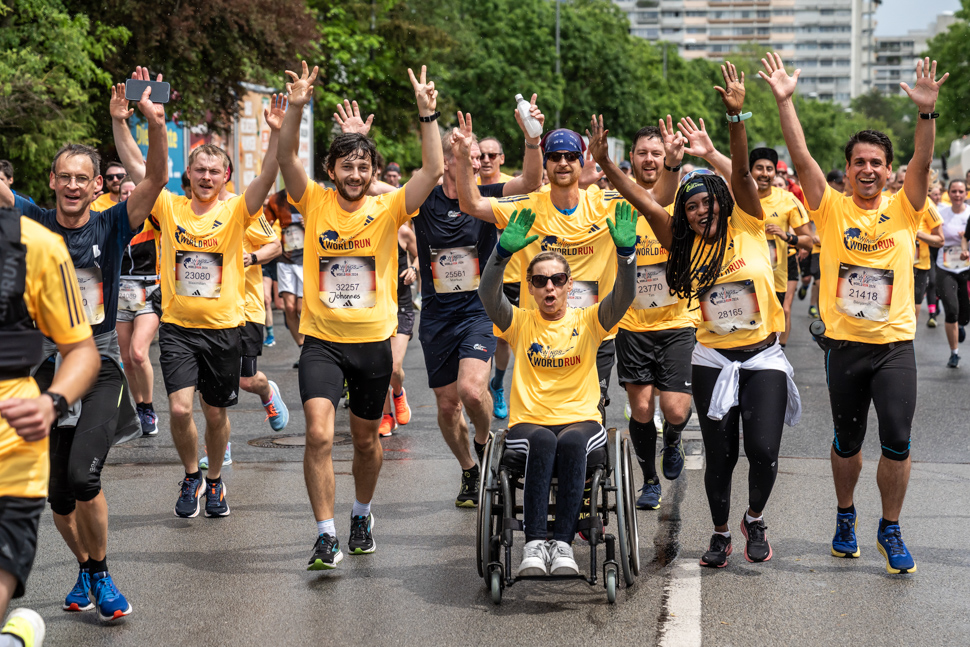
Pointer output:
83, 566
643, 435
147, 406
498, 379
849, 510
139, 406
479, 451
98, 565
196, 475
473, 470
672, 432
213, 481
885, 523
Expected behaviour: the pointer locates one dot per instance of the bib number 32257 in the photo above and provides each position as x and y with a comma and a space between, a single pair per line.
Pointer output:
348, 281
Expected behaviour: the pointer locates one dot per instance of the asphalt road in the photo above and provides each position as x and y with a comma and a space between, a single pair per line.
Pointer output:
241, 580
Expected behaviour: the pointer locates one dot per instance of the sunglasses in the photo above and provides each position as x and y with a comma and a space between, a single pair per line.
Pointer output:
558, 280
560, 155
114, 176
490, 156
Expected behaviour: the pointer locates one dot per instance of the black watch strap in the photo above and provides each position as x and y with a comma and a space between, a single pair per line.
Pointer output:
429, 118
60, 403
252, 259
672, 168
929, 115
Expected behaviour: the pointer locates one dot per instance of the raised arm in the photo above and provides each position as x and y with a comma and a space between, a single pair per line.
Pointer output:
128, 151
743, 186
298, 94
624, 233
636, 195
259, 188
425, 179
665, 190
514, 238
924, 95
699, 144
531, 178
470, 199
142, 199
783, 87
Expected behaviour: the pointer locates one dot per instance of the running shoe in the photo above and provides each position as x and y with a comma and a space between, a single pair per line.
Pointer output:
361, 537
672, 461
270, 341
717, 552
326, 554
468, 491
954, 361
561, 560
402, 412
191, 492
844, 543
417, 302
227, 460
802, 292
931, 322
627, 412
149, 422
387, 426
112, 605
535, 559
649, 495
813, 312
500, 408
898, 559
296, 364
757, 548
215, 500
26, 625
961, 334
79, 598
276, 411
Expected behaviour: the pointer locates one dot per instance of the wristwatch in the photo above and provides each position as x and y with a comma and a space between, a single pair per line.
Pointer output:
60, 403
252, 259
432, 117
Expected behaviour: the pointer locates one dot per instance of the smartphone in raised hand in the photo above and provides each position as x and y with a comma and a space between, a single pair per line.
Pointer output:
134, 88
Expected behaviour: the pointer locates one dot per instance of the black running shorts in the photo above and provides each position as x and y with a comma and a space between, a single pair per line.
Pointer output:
661, 358
324, 365
250, 347
793, 267
19, 518
207, 359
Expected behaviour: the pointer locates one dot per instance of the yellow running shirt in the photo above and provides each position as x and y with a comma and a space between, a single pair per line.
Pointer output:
554, 380
54, 303
102, 203
866, 292
782, 208
930, 221
257, 234
741, 309
502, 178
202, 273
350, 268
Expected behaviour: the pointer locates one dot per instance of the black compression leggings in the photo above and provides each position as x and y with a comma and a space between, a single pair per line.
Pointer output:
952, 290
559, 450
762, 398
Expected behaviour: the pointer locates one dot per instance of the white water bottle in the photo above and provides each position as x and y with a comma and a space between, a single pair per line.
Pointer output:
532, 126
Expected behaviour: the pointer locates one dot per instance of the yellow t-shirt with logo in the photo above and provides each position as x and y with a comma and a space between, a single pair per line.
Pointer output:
554, 380
102, 203
202, 273
741, 308
582, 237
502, 179
350, 268
866, 291
930, 221
782, 208
259, 233
54, 303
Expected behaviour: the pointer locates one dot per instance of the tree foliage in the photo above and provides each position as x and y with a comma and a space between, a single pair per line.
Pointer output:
951, 51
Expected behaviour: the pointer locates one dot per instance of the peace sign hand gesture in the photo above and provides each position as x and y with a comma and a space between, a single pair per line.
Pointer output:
733, 96
424, 92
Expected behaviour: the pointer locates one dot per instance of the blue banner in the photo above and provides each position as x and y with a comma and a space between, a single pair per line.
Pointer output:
176, 149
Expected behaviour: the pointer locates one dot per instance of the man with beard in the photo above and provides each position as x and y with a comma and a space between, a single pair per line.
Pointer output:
349, 308
114, 174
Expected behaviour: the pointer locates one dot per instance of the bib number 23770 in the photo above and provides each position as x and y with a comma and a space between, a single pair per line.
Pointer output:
348, 281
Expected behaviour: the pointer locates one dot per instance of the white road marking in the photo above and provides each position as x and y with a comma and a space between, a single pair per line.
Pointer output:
683, 592
694, 462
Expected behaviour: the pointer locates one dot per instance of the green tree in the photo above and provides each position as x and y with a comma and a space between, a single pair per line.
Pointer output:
953, 56
899, 115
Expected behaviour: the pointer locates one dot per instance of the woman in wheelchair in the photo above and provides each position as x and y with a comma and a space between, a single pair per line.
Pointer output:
553, 415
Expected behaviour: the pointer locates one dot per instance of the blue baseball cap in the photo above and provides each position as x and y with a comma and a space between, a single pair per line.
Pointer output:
563, 140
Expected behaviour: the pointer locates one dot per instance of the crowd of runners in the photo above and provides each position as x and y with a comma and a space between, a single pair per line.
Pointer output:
681, 275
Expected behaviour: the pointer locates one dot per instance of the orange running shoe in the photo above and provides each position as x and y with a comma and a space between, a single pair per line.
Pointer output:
387, 426
401, 409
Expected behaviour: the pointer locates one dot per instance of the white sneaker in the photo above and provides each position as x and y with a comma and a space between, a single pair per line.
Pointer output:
27, 625
561, 559
534, 558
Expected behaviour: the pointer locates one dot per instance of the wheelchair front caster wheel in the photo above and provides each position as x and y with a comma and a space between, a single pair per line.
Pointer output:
495, 584
611, 586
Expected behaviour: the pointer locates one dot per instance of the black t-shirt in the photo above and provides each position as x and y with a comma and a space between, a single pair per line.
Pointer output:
96, 249
452, 246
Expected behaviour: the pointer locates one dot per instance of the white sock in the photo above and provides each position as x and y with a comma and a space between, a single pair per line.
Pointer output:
326, 527
726, 533
360, 509
749, 519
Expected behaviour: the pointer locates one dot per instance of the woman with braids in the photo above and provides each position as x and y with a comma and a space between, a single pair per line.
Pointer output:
719, 260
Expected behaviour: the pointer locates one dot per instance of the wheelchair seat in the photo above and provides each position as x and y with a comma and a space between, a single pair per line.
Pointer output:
515, 461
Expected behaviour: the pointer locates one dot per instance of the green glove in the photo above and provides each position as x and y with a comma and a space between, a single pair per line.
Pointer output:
514, 237
624, 229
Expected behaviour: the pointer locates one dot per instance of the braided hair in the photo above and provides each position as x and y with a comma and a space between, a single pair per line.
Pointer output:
684, 269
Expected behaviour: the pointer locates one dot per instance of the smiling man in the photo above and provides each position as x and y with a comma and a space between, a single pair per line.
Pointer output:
114, 174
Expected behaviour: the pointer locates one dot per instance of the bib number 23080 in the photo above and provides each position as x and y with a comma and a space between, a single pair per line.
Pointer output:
198, 274
348, 281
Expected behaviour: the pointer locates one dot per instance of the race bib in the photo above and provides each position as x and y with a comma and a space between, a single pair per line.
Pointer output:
89, 281
952, 260
584, 294
652, 288
198, 274
131, 295
348, 281
455, 269
293, 238
773, 252
864, 292
728, 307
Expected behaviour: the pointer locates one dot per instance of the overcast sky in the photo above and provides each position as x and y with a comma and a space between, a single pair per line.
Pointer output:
896, 17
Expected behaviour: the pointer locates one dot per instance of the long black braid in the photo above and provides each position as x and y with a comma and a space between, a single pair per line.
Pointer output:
690, 276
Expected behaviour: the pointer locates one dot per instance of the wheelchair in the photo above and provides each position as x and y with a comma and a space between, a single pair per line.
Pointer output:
609, 489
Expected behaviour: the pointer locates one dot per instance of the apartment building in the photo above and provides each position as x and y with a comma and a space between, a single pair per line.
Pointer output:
895, 56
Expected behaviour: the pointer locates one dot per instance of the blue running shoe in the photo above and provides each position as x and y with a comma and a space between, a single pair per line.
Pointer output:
844, 543
501, 407
276, 411
149, 422
190, 493
270, 341
649, 495
215, 500
112, 605
204, 461
898, 559
79, 598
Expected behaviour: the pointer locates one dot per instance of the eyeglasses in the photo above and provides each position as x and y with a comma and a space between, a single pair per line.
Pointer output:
558, 280
490, 156
64, 179
115, 176
561, 155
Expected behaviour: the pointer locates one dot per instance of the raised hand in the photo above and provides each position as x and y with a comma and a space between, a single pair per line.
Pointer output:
598, 146
118, 106
154, 112
624, 228
927, 88
424, 92
461, 137
300, 90
516, 235
349, 119
673, 141
276, 111
537, 114
699, 143
733, 96
782, 85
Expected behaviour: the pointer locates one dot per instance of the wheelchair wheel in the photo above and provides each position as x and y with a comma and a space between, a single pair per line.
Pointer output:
611, 585
622, 512
633, 532
495, 584
486, 526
